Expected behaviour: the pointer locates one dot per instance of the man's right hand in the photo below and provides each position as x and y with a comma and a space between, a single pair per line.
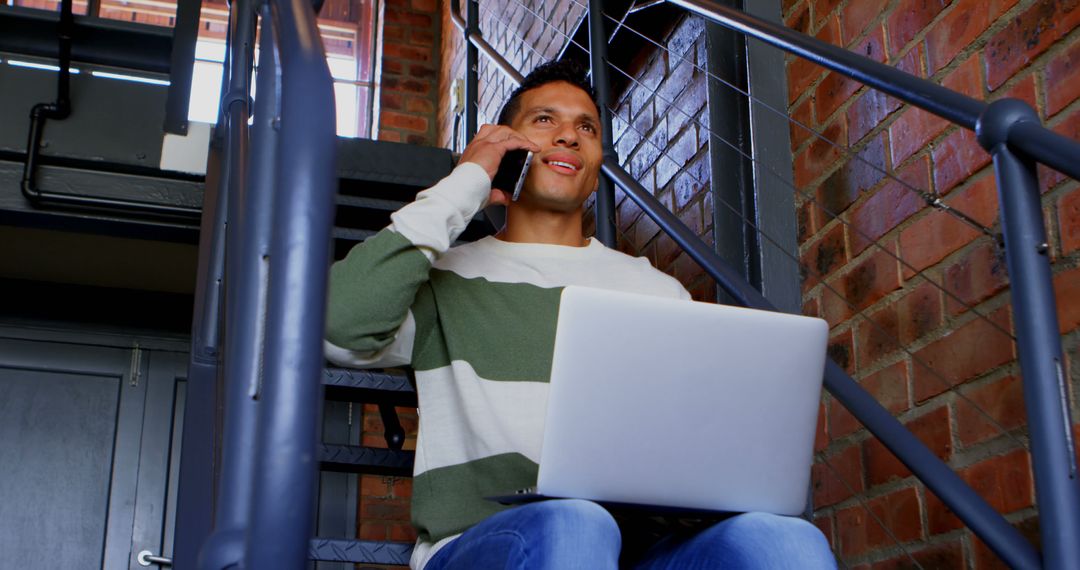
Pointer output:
488, 148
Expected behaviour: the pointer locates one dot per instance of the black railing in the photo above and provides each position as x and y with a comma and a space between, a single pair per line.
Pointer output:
267, 522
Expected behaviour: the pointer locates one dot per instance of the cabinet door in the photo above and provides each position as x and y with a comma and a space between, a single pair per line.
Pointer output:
85, 439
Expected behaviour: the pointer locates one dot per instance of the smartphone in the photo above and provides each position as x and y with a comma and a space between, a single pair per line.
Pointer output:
512, 171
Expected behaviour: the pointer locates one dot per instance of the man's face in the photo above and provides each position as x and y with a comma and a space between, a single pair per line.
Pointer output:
561, 119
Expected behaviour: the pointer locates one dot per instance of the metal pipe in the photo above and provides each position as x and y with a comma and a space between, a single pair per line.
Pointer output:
249, 219
472, 70
605, 193
1038, 340
283, 500
987, 523
181, 66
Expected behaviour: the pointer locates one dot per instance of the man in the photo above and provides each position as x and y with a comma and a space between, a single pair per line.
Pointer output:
477, 324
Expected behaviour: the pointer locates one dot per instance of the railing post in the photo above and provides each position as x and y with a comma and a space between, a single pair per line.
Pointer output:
283, 496
605, 194
472, 69
1038, 340
249, 201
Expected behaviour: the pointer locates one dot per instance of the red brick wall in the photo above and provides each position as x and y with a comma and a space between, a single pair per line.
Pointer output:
527, 32
661, 137
904, 338
383, 511
410, 64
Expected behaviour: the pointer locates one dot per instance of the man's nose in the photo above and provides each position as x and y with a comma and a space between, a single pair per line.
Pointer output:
567, 136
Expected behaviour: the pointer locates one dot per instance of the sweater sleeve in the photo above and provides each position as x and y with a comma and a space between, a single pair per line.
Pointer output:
368, 321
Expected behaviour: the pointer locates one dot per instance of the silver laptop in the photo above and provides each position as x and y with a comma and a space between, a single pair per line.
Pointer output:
681, 406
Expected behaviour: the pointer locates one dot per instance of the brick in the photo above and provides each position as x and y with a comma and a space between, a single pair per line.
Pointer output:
1068, 126
1002, 400
802, 118
821, 434
824, 8
644, 230
399, 16
920, 312
841, 422
913, 62
1027, 36
384, 509
836, 477
942, 555
855, 17
858, 174
692, 182
877, 333
407, 85
965, 353
889, 386
1068, 218
402, 532
691, 216
1067, 294
912, 131
908, 19
867, 112
1004, 481
801, 74
799, 20
965, 21
824, 256
375, 486
807, 227
868, 281
403, 121
840, 351
966, 78
975, 277
939, 518
956, 157
821, 154
685, 35
428, 6
825, 525
392, 101
390, 136
371, 531
687, 270
937, 234
896, 514
832, 92
1062, 76
418, 105
889, 206
932, 428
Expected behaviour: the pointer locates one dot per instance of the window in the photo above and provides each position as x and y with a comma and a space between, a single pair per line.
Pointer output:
348, 31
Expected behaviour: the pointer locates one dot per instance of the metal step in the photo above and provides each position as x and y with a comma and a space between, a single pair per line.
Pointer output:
362, 551
366, 460
369, 387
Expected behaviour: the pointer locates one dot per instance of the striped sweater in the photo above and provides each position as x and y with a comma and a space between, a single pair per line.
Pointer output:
477, 324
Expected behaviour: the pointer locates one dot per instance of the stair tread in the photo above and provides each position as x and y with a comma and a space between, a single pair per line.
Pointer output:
363, 551
359, 459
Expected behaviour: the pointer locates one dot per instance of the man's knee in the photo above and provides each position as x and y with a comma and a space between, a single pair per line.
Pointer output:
572, 519
786, 538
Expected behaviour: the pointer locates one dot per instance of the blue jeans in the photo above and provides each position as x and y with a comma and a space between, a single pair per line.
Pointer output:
574, 534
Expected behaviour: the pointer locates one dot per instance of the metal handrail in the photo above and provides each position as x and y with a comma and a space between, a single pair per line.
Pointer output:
283, 497
1001, 127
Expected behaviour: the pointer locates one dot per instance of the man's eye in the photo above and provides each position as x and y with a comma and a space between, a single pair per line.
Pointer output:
588, 127
543, 119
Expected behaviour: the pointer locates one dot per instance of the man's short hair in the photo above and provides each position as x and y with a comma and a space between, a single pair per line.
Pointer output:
569, 71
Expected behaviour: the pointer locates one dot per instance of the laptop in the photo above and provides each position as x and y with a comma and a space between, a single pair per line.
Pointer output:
679, 407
